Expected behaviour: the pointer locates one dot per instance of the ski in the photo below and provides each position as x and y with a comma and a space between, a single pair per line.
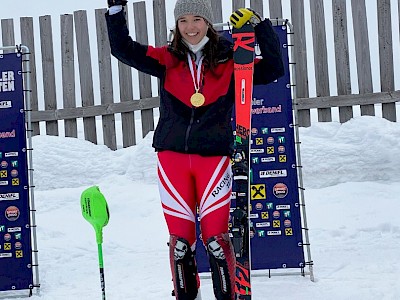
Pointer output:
243, 57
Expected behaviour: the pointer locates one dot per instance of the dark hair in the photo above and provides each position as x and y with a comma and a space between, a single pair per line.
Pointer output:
210, 50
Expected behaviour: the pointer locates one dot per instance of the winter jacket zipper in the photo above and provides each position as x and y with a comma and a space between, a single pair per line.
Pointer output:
188, 130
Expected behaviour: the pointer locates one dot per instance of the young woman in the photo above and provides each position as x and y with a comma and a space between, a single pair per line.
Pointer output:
194, 138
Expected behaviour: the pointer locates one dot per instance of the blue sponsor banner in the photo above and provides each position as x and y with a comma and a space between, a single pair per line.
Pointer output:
276, 234
15, 234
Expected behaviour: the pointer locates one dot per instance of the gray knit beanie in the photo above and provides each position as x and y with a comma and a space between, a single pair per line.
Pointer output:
200, 8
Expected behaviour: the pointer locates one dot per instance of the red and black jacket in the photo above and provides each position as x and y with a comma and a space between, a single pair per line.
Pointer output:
205, 130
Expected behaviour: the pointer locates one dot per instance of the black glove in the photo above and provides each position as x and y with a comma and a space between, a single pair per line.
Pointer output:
116, 2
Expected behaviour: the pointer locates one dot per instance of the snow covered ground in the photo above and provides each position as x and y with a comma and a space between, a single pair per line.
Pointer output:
351, 174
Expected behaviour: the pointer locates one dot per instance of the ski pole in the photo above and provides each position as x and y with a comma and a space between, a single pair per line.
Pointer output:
95, 211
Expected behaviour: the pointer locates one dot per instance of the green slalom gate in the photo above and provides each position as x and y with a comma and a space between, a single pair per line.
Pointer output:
95, 211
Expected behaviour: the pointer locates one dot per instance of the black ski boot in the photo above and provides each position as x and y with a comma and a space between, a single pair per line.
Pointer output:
222, 263
184, 269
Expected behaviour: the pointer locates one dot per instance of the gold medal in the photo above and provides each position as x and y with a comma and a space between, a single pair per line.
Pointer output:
197, 99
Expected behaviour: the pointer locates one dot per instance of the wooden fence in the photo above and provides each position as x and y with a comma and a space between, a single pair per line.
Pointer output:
75, 28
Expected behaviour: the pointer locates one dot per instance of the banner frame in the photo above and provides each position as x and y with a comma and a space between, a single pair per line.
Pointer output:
26, 70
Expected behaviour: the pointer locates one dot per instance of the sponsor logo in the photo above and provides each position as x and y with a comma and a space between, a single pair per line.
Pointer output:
5, 104
256, 101
274, 232
286, 213
3, 182
7, 237
14, 163
7, 81
242, 131
263, 224
279, 207
267, 159
10, 154
269, 205
261, 233
9, 196
281, 139
14, 229
3, 173
270, 150
273, 173
277, 130
264, 215
281, 149
15, 181
224, 184
12, 213
18, 245
287, 223
253, 216
5, 255
254, 131
258, 192
280, 190
255, 160
14, 173
2, 228
282, 158
276, 223
255, 151
4, 164
259, 141
288, 231
7, 134
180, 276
19, 254
7, 246
259, 206
18, 236
264, 130
270, 140
267, 110
276, 214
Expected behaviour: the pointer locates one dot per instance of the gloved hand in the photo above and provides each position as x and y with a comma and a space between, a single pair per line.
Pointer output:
116, 2
243, 15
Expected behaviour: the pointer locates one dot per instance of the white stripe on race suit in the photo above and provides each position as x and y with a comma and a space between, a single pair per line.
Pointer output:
173, 201
178, 215
211, 209
209, 199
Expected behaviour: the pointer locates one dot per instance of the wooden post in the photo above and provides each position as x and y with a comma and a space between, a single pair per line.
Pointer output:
7, 34
275, 9
68, 71
320, 56
126, 94
106, 88
49, 83
236, 4
27, 39
360, 29
386, 56
139, 9
85, 72
300, 56
342, 56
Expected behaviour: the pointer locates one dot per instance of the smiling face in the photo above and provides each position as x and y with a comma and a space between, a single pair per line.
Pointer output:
192, 28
